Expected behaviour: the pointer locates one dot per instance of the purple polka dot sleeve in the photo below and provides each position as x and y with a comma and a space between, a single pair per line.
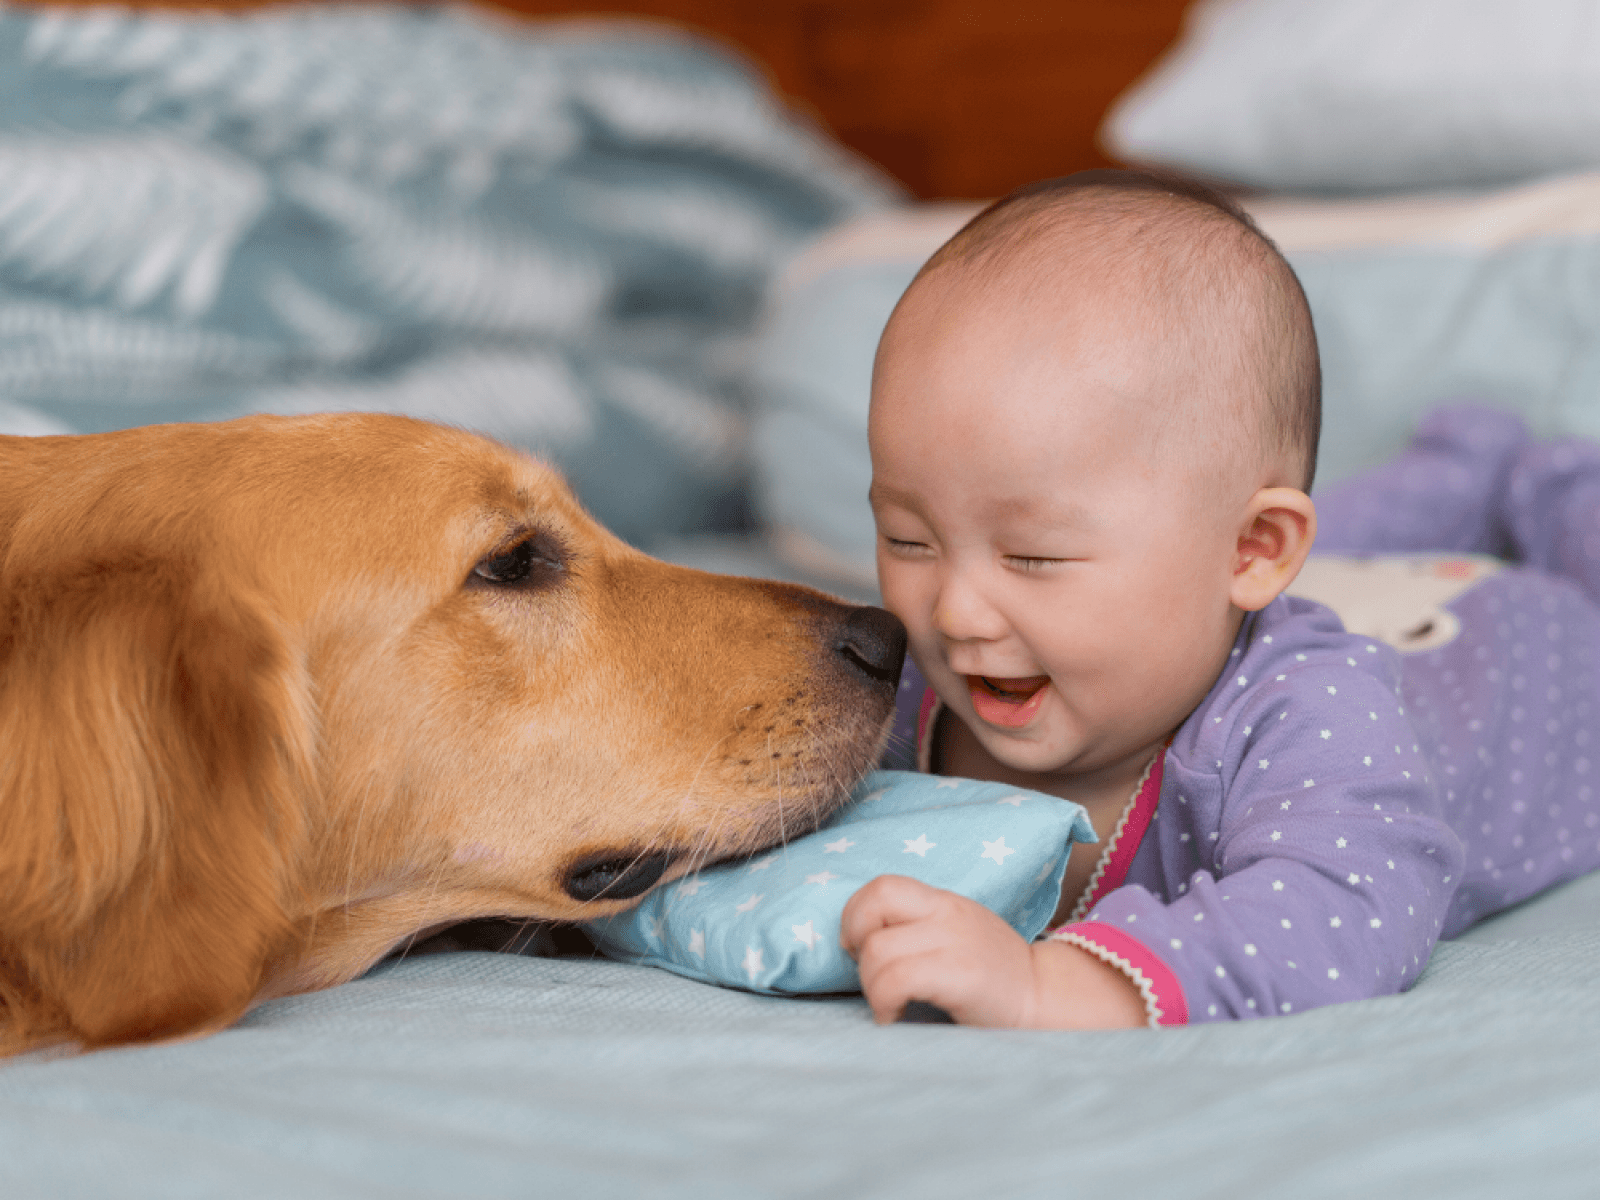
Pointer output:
1298, 856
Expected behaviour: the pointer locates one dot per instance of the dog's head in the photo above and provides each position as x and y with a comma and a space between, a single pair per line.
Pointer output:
276, 694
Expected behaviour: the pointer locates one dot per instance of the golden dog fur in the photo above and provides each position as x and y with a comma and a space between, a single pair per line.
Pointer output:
276, 694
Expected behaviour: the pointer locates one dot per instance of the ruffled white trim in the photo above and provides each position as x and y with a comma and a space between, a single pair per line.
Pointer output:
1147, 991
1081, 908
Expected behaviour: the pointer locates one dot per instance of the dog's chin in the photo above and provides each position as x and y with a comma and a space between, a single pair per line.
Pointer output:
798, 812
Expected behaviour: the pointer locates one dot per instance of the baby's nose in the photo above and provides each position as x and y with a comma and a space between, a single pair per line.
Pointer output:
963, 614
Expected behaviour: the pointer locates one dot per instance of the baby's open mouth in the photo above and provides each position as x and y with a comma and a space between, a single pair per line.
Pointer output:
1007, 702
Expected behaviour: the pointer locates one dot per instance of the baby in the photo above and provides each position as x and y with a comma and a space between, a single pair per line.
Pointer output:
1094, 423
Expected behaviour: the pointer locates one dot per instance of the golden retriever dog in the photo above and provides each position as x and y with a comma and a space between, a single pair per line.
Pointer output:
278, 693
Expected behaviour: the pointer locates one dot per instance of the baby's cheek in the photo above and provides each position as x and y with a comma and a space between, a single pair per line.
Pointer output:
902, 599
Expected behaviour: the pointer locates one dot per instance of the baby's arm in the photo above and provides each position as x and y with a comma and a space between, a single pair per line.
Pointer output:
1331, 871
913, 942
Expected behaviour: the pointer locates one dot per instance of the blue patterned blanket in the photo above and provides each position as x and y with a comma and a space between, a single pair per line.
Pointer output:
555, 233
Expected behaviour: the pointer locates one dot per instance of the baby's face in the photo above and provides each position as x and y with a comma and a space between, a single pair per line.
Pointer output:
1064, 579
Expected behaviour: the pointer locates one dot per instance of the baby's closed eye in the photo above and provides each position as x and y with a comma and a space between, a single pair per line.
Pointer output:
1028, 563
902, 548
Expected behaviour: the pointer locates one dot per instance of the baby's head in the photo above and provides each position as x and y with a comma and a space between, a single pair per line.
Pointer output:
1094, 421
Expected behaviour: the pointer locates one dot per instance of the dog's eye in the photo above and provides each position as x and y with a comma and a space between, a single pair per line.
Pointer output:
532, 562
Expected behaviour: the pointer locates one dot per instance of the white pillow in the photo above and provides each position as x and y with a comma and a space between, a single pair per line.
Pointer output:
1371, 94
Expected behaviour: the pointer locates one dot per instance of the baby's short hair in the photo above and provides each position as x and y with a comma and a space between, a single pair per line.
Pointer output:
1211, 266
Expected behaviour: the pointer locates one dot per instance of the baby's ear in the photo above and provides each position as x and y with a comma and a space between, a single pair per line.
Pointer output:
1274, 539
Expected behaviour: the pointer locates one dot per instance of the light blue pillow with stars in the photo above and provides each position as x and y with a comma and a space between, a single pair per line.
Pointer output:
771, 923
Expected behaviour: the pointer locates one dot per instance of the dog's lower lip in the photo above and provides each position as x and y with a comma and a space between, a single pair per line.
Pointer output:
616, 874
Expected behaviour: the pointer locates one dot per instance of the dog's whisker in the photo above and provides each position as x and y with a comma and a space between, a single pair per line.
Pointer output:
817, 814
707, 839
777, 773
705, 758
433, 894
355, 841
710, 838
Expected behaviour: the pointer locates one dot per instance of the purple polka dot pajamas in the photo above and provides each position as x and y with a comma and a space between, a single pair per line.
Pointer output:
1334, 807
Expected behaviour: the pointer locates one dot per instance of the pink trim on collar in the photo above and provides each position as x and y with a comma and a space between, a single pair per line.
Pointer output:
1111, 872
926, 716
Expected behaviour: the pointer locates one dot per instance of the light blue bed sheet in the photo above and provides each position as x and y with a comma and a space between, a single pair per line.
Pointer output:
485, 1076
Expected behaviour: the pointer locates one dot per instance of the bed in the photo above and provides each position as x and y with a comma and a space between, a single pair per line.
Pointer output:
616, 246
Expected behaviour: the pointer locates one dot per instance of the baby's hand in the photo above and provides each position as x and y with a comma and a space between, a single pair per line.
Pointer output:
915, 942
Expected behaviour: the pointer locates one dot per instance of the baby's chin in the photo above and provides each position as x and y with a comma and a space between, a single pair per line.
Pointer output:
1031, 750
1029, 757
1049, 752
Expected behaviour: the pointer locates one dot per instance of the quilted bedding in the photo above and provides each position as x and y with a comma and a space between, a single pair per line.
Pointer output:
556, 234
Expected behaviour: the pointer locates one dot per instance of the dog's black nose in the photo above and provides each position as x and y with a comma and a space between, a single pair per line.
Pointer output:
874, 642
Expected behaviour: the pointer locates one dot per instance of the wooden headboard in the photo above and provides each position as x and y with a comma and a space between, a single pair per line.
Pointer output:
955, 98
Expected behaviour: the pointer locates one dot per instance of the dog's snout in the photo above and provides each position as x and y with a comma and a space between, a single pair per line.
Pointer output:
873, 641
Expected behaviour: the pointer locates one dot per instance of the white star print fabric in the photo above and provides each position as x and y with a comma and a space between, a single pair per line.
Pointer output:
771, 923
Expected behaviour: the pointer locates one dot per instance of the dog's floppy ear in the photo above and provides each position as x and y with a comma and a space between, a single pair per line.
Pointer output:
154, 764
